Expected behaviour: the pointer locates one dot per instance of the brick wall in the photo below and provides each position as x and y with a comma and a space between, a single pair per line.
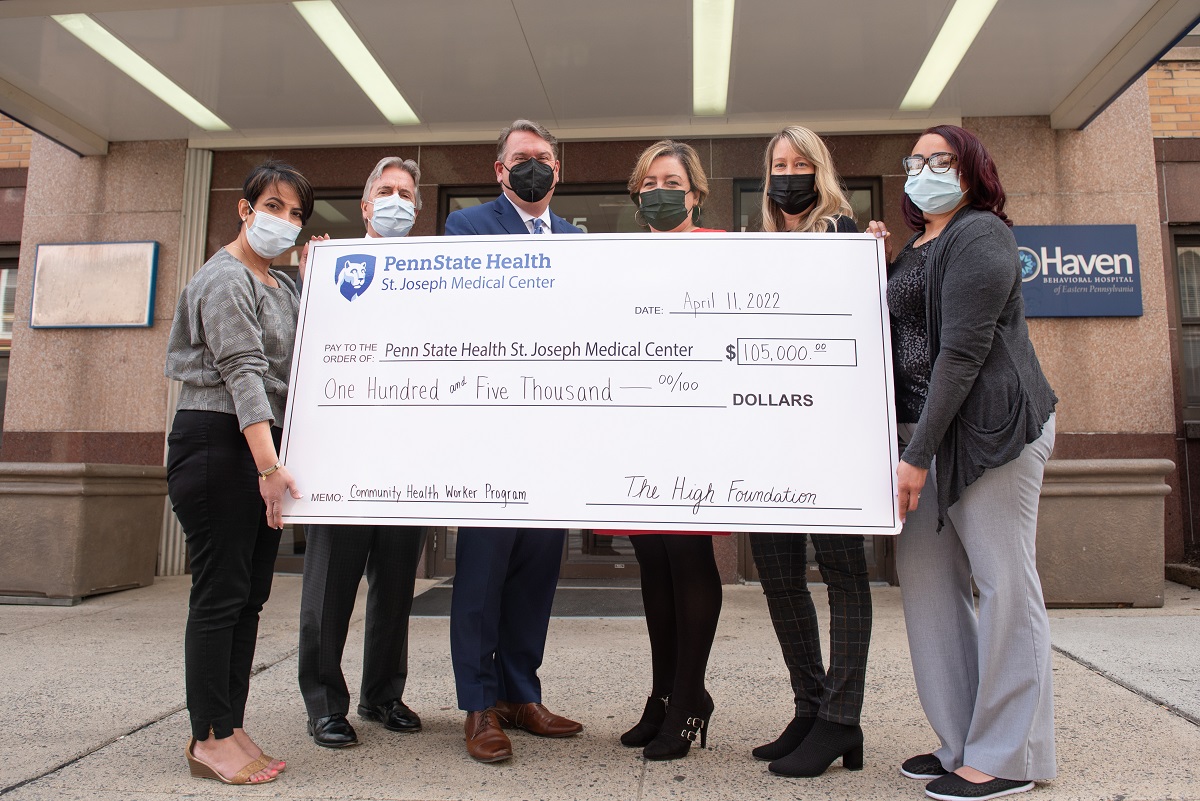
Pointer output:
15, 140
1175, 97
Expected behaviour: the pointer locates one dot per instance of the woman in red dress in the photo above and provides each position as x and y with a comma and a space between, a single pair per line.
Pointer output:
681, 588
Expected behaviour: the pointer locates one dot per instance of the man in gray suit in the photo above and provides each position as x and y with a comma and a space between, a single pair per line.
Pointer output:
336, 557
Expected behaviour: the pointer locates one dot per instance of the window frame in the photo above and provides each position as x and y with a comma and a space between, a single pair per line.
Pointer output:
1183, 236
446, 193
755, 185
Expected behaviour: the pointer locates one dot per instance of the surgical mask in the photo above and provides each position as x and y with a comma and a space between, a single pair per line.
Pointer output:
934, 193
392, 215
531, 180
269, 235
663, 209
795, 194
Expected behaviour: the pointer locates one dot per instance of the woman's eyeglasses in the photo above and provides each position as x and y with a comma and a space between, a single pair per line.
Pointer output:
938, 163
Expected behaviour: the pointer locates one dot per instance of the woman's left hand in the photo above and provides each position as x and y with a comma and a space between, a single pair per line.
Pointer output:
272, 488
909, 481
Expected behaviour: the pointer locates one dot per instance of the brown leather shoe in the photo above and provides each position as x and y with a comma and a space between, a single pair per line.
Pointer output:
536, 719
485, 741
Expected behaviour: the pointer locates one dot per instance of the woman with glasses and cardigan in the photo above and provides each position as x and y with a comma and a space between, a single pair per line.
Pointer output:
976, 425
802, 194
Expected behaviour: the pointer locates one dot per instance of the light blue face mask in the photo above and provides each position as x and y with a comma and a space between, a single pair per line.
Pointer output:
392, 215
269, 235
934, 193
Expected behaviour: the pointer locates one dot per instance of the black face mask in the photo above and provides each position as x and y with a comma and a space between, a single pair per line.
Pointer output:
663, 209
531, 180
794, 194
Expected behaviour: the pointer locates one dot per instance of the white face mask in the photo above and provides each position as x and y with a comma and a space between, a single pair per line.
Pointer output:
934, 193
269, 235
392, 215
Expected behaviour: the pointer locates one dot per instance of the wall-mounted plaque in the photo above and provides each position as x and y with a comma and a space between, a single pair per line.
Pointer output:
94, 285
1080, 270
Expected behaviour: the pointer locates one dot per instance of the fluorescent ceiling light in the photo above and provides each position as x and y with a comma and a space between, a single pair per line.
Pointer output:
335, 32
712, 48
121, 56
953, 40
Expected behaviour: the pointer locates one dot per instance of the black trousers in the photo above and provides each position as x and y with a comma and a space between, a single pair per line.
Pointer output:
213, 485
335, 558
836, 696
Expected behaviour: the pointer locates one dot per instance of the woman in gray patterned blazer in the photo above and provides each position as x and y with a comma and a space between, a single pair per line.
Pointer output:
231, 347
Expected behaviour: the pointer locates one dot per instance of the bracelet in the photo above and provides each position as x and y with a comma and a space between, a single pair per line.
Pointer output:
262, 474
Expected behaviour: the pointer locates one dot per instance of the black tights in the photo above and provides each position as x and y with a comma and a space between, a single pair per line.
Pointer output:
681, 590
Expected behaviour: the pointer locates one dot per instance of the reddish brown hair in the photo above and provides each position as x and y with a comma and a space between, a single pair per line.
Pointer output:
984, 190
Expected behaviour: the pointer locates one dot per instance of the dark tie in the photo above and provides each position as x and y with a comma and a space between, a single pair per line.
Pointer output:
538, 226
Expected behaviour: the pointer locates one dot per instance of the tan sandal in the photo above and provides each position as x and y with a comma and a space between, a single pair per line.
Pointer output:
267, 760
202, 770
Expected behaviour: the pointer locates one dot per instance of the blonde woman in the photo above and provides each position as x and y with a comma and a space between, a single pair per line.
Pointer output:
803, 194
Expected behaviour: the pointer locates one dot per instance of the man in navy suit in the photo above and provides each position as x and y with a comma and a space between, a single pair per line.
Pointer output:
505, 578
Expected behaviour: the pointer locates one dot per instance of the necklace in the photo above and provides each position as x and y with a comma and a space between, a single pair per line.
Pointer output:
244, 258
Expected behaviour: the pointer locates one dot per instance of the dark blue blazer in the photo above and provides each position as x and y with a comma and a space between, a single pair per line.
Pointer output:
498, 217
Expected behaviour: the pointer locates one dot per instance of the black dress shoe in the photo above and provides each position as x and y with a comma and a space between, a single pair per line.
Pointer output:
393, 714
332, 731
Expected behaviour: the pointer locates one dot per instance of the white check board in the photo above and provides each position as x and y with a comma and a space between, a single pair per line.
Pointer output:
703, 382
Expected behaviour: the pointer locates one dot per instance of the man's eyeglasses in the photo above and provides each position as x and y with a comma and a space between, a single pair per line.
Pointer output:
938, 163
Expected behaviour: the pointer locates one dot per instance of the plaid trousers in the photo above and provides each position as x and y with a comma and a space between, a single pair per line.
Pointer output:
836, 695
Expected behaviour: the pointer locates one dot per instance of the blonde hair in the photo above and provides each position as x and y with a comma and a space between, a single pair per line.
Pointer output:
831, 198
687, 157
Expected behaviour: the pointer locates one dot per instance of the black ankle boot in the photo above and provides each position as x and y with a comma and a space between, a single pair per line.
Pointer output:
647, 728
787, 742
680, 729
821, 748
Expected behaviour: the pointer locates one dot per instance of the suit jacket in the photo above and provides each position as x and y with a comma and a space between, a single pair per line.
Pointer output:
498, 217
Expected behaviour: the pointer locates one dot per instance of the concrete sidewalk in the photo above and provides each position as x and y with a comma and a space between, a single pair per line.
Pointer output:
92, 701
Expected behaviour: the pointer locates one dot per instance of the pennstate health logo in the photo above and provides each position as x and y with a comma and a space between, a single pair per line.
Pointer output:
1031, 265
353, 274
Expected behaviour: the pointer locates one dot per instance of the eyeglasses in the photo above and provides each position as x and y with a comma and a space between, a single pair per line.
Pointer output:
938, 163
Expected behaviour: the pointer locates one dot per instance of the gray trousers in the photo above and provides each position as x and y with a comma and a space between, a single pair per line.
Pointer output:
984, 679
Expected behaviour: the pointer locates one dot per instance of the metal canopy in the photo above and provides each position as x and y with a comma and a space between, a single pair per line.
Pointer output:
601, 69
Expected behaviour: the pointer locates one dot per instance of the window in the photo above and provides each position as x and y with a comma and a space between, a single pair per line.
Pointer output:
1187, 269
8, 296
864, 193
596, 208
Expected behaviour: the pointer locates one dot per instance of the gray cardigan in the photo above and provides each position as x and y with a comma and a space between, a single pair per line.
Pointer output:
231, 342
987, 396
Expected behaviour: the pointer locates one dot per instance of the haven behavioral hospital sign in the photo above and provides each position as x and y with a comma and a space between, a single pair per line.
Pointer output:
707, 382
1080, 270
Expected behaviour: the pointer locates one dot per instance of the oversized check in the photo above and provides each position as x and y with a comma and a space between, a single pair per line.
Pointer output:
705, 382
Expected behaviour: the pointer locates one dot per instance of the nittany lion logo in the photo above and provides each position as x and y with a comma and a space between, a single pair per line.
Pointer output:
353, 274
1030, 264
